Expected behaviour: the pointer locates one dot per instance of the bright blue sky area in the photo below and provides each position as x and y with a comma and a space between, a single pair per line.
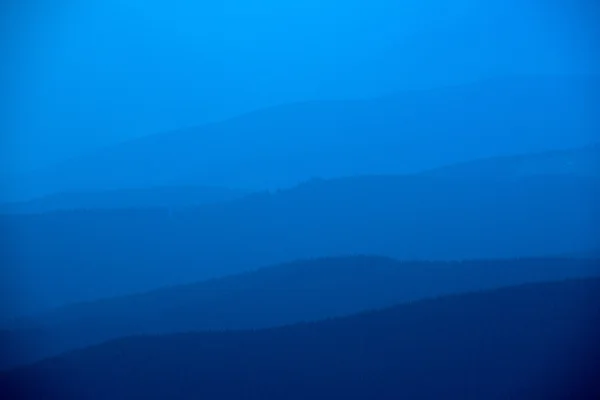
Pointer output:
89, 74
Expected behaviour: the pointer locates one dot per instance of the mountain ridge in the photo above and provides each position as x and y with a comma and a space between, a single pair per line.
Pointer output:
404, 217
155, 197
340, 138
574, 162
549, 329
305, 290
581, 161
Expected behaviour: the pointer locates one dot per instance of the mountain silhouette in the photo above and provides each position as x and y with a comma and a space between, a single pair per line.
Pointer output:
302, 291
584, 161
284, 145
89, 254
161, 197
530, 341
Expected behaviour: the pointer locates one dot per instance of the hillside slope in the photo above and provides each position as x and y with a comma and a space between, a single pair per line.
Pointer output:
285, 294
157, 197
105, 253
532, 341
583, 161
284, 145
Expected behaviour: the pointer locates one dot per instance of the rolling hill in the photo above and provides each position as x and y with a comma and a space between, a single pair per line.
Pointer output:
579, 162
285, 145
163, 197
89, 254
584, 161
302, 291
531, 341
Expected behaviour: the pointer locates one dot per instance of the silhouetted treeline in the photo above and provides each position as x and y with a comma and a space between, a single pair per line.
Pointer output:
286, 294
402, 133
156, 197
532, 341
583, 161
85, 255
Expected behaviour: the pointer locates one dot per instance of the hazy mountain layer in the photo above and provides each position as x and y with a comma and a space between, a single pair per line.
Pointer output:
160, 197
532, 341
285, 145
584, 161
301, 291
64, 257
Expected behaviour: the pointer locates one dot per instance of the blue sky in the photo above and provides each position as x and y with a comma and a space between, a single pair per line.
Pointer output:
89, 74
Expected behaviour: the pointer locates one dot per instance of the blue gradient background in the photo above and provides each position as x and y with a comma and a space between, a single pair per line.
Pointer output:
77, 76
84, 75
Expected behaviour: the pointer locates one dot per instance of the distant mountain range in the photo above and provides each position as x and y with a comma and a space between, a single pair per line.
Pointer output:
159, 197
282, 146
302, 291
583, 161
89, 254
531, 341
576, 162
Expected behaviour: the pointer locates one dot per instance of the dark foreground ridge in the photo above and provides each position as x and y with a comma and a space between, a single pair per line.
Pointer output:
532, 341
301, 291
